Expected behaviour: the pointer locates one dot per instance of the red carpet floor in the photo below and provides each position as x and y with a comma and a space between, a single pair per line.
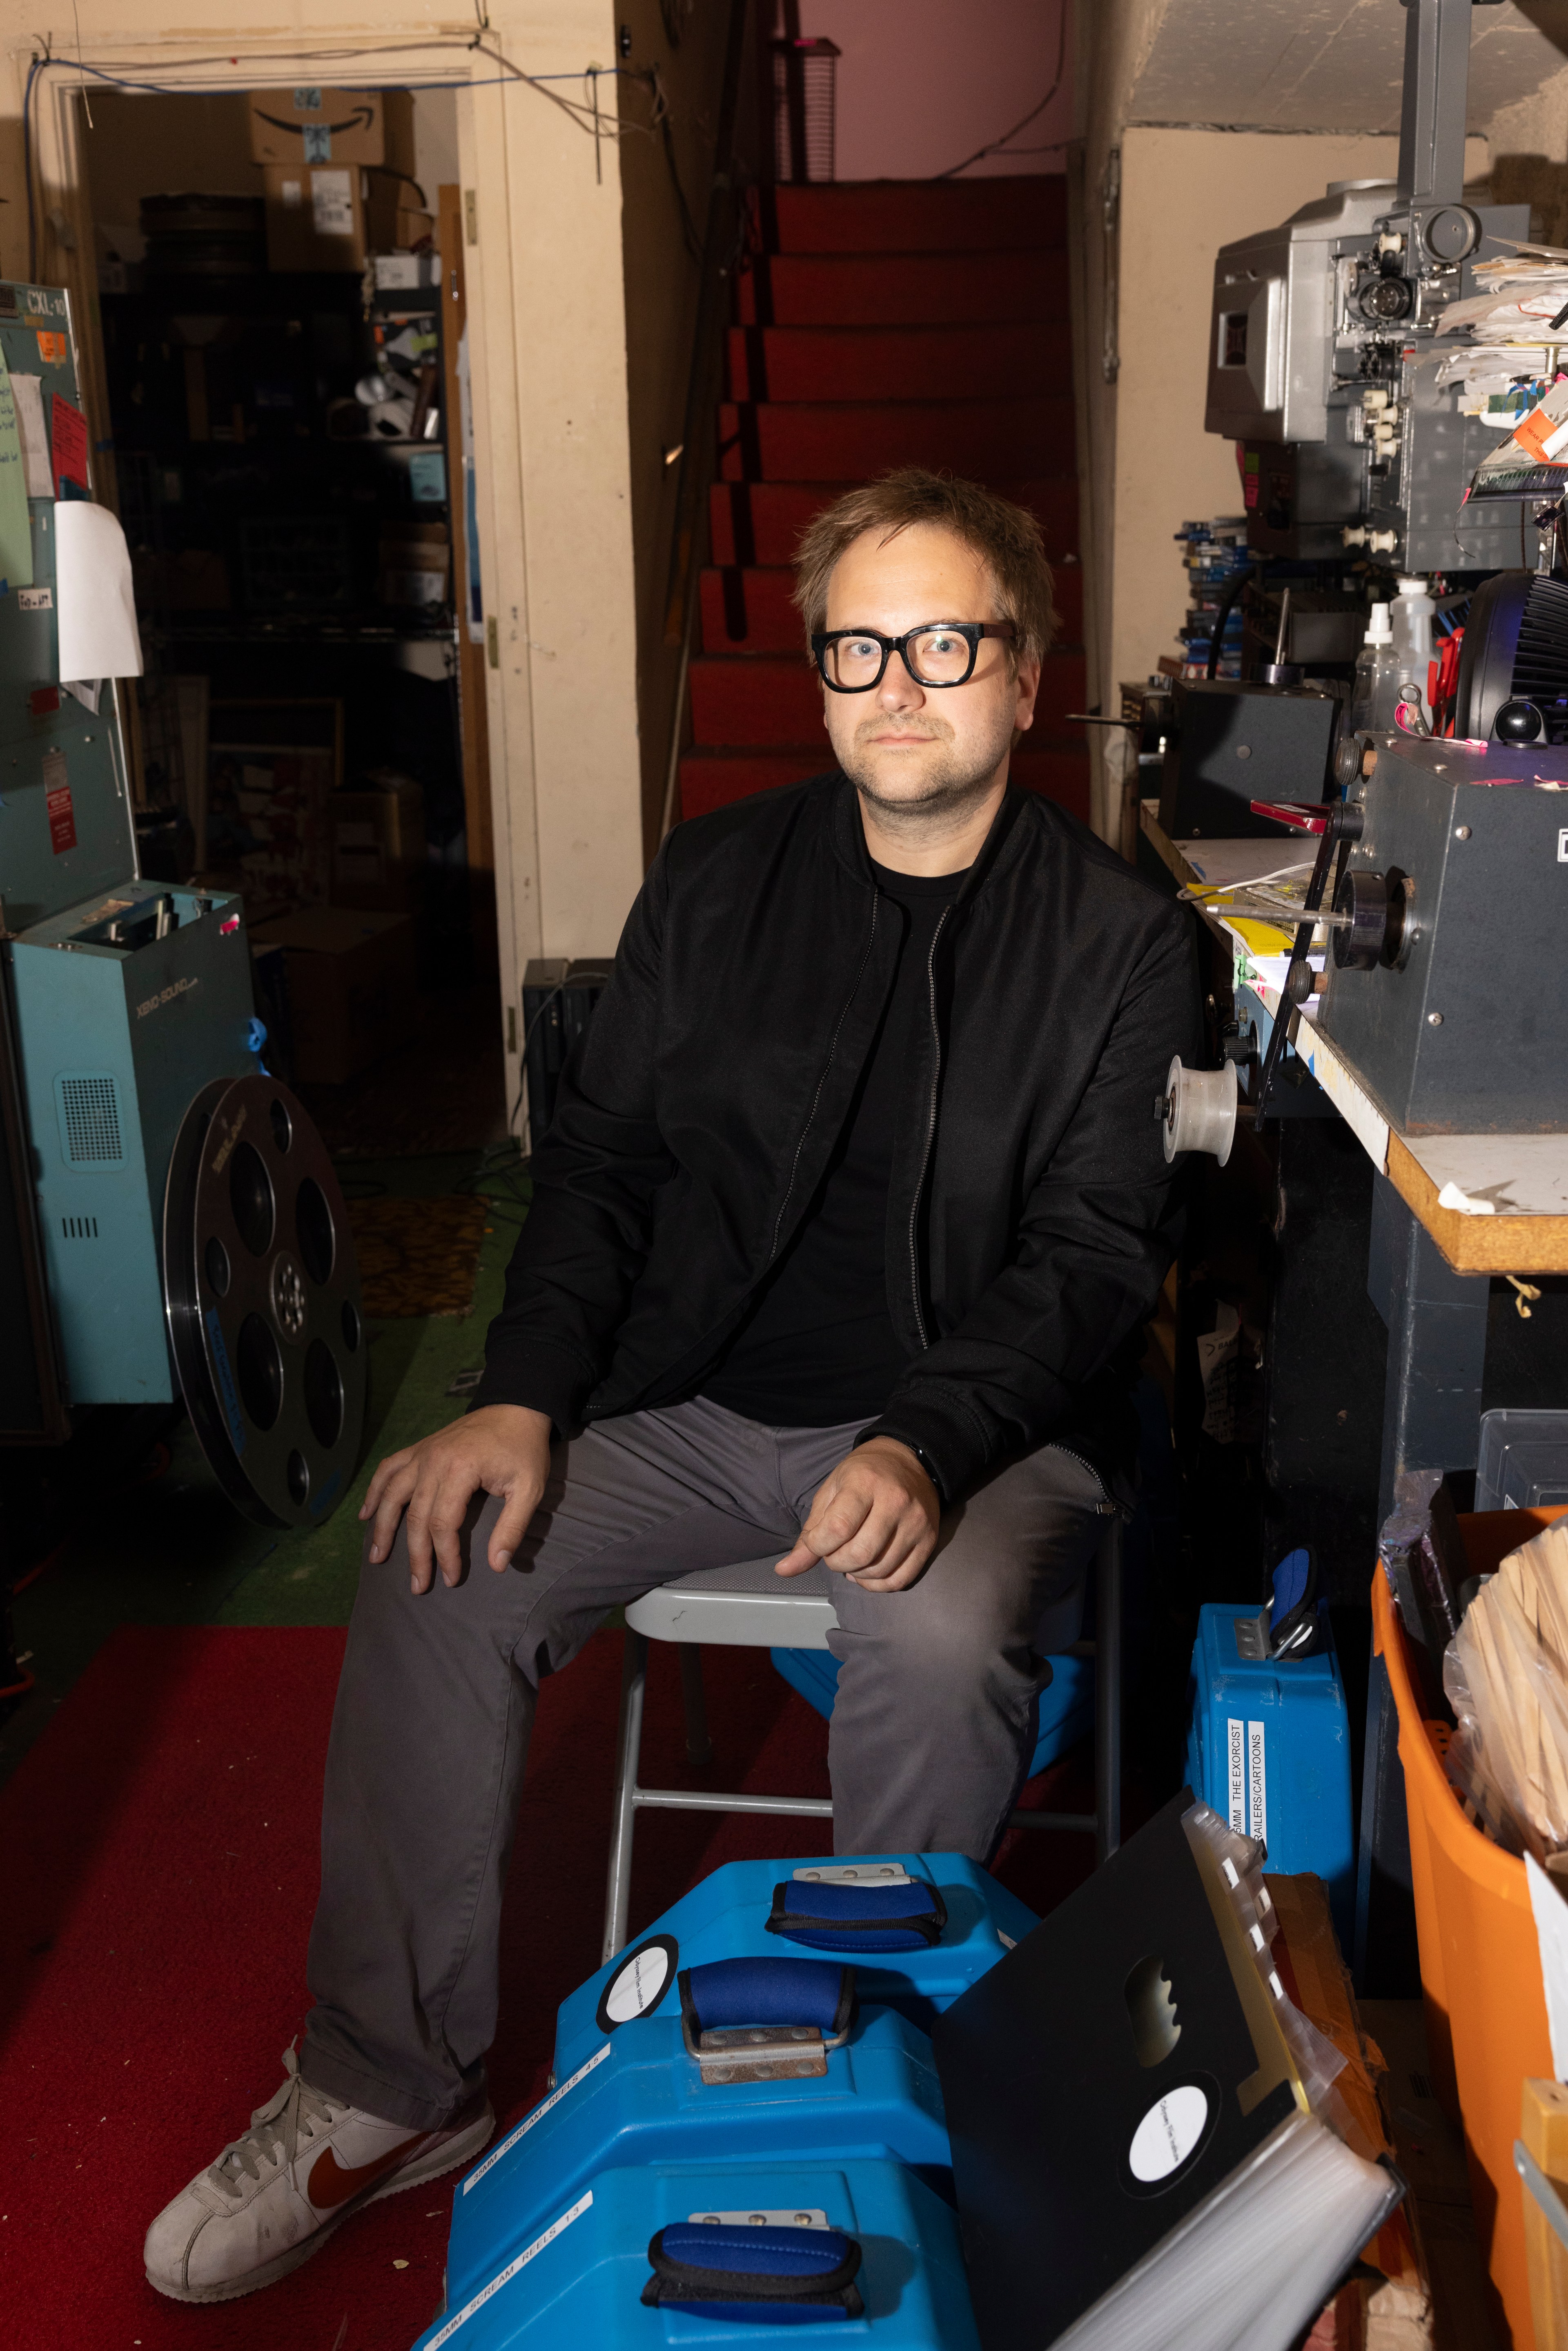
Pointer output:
158, 1848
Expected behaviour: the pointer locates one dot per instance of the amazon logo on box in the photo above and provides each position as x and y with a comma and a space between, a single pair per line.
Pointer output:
311, 125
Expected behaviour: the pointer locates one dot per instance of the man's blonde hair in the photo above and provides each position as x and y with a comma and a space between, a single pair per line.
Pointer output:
1006, 537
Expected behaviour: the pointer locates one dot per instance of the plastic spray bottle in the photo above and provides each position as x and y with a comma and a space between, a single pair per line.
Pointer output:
1375, 694
1411, 614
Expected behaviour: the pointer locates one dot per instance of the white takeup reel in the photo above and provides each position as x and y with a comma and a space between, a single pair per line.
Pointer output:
1197, 1109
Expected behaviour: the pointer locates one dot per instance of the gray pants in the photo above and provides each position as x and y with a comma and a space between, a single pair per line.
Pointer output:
933, 1727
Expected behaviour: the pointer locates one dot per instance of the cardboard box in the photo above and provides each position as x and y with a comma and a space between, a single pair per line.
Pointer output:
397, 273
377, 844
296, 128
315, 216
415, 562
334, 216
350, 988
395, 217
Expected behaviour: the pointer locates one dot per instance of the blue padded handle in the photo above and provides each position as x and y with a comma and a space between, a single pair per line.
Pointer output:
859, 1902
839, 1918
729, 1992
741, 2249
752, 2274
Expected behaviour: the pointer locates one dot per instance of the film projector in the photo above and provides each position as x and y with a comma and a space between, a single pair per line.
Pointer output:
170, 1222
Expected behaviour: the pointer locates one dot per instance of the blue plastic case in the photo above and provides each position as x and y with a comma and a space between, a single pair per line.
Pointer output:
578, 2282
1270, 1749
727, 1916
1066, 1704
640, 2099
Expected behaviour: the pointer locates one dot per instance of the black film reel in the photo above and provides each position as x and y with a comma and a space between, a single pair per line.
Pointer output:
261, 1290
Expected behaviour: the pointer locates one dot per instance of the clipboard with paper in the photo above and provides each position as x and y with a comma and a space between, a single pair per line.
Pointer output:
1149, 2151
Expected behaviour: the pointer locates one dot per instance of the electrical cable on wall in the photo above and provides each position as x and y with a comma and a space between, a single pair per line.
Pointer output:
996, 145
591, 119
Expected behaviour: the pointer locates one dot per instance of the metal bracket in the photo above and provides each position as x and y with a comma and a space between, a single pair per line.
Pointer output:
855, 1872
1554, 2211
758, 2052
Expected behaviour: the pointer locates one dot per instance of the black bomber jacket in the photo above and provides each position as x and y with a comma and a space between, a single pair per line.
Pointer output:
1032, 1215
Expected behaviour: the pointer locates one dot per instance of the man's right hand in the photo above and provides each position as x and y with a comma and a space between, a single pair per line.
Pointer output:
503, 1449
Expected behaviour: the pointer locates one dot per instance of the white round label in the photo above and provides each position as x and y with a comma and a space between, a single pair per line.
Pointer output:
1168, 2133
638, 1986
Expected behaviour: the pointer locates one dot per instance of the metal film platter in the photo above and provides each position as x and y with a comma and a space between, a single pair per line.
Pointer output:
261, 1288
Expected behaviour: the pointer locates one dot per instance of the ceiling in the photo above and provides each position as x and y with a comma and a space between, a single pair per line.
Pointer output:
1329, 65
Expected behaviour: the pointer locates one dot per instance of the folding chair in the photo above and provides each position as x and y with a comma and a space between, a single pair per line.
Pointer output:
748, 1607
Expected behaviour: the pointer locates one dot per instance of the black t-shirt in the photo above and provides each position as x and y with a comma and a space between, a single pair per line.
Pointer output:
817, 1345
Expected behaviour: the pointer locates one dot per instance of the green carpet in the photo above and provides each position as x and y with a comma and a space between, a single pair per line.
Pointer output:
174, 1551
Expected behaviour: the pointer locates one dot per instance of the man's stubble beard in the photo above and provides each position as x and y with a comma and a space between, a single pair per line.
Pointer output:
951, 789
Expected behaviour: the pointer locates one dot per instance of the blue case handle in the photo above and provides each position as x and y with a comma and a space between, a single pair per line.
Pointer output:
736, 2271
728, 1994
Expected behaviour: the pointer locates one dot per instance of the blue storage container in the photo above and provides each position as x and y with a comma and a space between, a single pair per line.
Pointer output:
578, 2282
642, 2098
1270, 1748
1066, 1708
725, 1917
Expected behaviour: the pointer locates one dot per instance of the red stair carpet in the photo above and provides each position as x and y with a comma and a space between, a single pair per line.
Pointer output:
160, 1860
918, 322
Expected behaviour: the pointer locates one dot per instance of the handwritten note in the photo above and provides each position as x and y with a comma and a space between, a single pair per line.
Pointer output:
70, 447
16, 529
29, 394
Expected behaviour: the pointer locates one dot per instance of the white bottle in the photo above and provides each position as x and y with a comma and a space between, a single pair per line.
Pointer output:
1411, 615
1374, 694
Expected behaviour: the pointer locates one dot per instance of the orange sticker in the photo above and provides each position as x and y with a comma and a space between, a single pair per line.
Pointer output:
51, 347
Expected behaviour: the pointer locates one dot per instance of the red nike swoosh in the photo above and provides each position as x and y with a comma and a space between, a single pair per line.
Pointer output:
330, 2185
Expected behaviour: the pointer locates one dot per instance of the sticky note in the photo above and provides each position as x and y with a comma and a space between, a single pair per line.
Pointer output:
71, 445
51, 348
16, 529
58, 805
427, 478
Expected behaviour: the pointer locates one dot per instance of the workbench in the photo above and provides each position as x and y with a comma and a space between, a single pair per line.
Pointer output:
1451, 1213
1522, 1179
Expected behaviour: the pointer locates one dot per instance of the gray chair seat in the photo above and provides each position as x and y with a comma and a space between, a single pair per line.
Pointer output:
744, 1607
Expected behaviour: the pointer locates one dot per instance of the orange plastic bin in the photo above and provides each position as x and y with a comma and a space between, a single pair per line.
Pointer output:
1481, 1969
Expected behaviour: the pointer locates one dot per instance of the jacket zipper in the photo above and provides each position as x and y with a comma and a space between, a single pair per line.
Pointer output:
822, 1082
930, 1126
1108, 1508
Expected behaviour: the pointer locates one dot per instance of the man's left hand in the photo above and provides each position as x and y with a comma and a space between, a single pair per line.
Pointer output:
874, 1517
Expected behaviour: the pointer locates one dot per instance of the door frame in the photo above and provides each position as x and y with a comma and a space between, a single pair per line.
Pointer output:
66, 256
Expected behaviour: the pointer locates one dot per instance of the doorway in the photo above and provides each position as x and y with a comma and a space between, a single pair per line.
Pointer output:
281, 307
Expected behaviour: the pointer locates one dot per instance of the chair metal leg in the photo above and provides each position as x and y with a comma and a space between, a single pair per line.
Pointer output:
627, 1748
1108, 1690
699, 1746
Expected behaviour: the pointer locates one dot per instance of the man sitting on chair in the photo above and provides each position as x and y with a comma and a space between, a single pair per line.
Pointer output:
842, 1241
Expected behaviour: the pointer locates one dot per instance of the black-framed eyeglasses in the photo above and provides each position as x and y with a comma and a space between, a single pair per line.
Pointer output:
938, 652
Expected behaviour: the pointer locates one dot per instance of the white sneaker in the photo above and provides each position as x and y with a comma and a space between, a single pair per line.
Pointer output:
303, 2166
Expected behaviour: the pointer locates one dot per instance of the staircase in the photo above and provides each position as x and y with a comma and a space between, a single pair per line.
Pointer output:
891, 323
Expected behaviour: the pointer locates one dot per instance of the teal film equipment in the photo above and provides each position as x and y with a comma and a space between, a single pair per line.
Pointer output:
127, 995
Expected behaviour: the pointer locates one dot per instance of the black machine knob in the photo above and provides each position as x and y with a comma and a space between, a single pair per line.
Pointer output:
1358, 945
1517, 722
1379, 906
